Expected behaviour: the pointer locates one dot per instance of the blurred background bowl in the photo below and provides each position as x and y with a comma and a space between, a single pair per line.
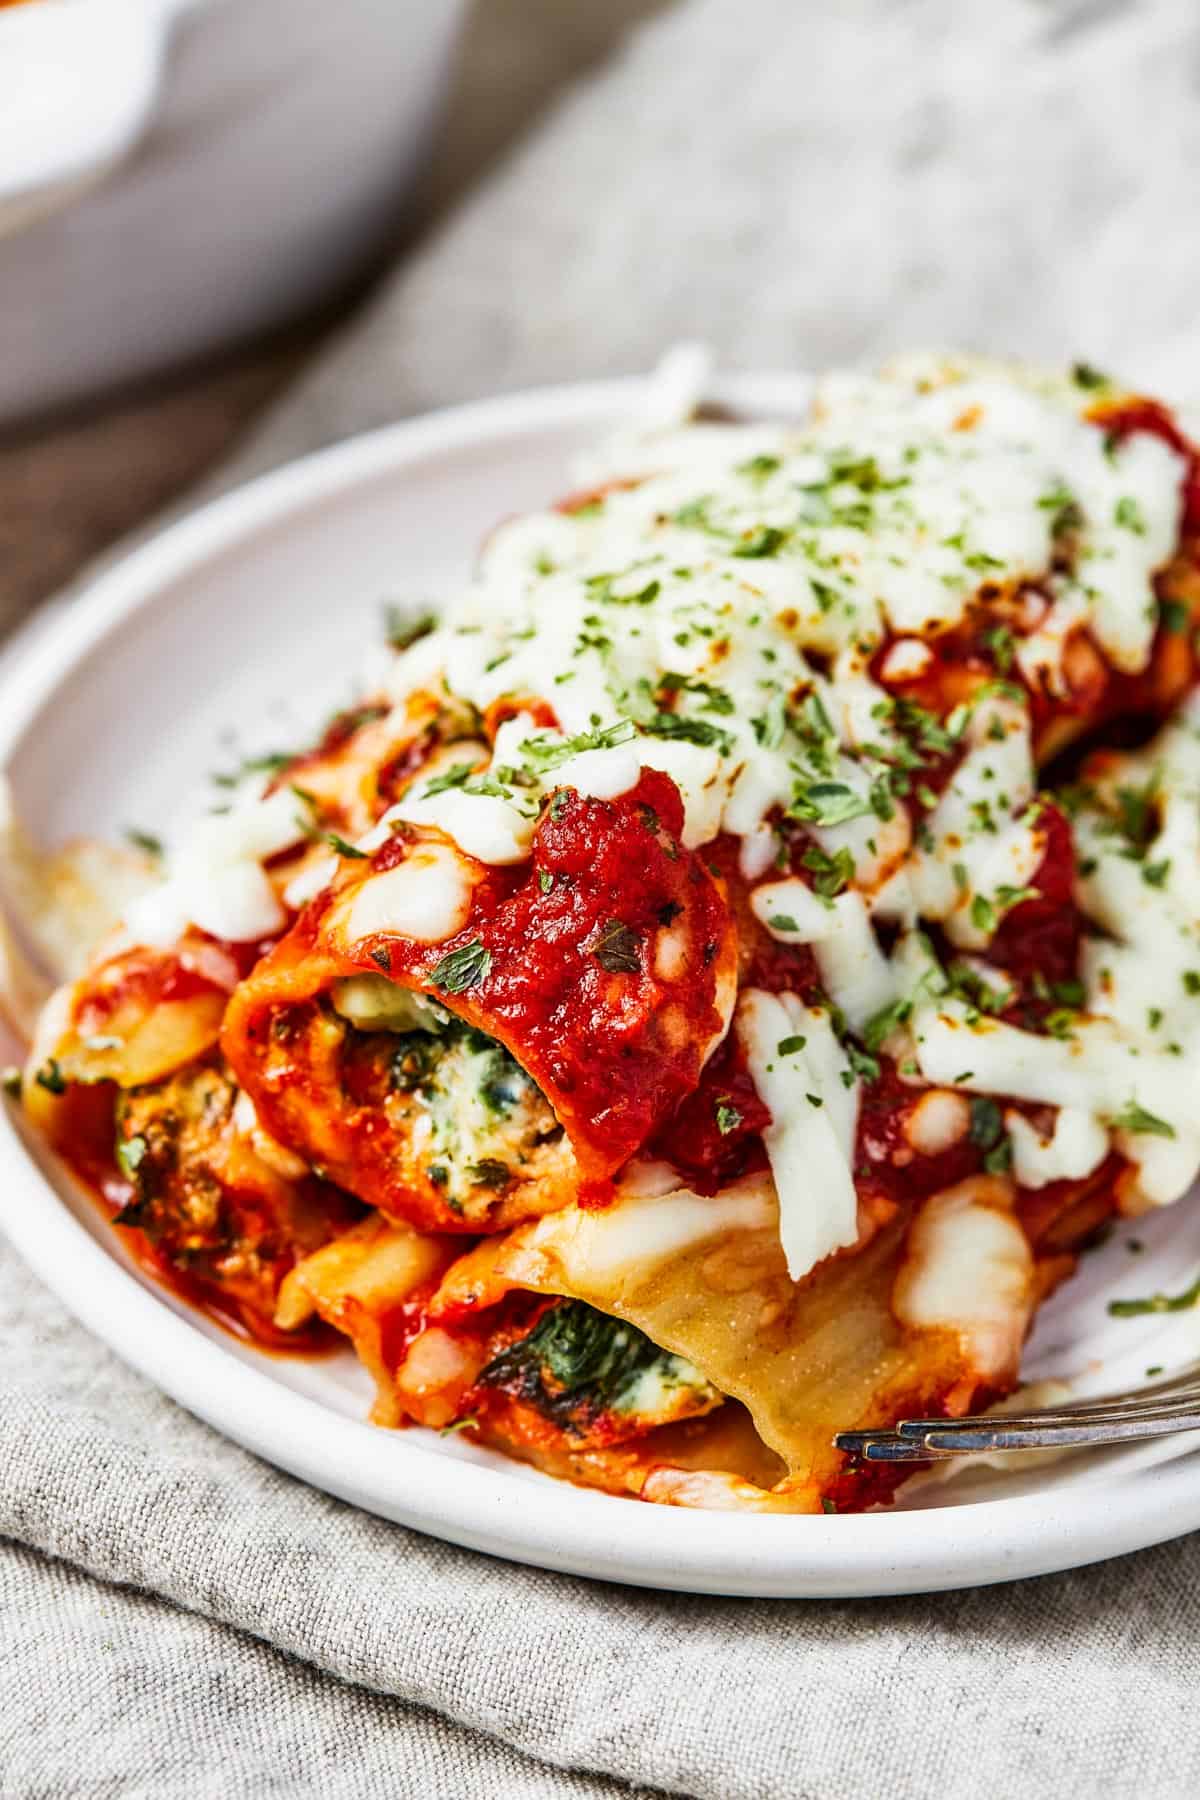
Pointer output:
203, 169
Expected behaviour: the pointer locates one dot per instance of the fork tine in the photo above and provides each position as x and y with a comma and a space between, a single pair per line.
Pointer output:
1095, 1412
1159, 1409
1080, 1431
886, 1446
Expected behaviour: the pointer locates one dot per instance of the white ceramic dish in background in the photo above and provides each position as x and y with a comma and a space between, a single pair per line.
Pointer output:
107, 712
175, 174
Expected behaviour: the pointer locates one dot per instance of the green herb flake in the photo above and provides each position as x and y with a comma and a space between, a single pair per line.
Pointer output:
145, 840
406, 629
881, 1026
51, 1077
1128, 515
542, 754
466, 967
1156, 1303
617, 948
344, 848
1135, 1118
728, 1117
831, 873
454, 777
765, 541
1085, 376
131, 1154
828, 803
987, 1123
983, 914
469, 1422
788, 1046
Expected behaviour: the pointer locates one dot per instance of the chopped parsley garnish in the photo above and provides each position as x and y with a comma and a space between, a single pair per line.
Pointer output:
51, 1077
765, 541
831, 873
545, 881
881, 1025
1085, 376
987, 1123
987, 1133
1128, 514
828, 803
983, 914
344, 848
867, 1067
782, 922
693, 731
1135, 1118
715, 698
131, 1153
145, 840
469, 1422
1001, 643
617, 948
1175, 617
463, 968
728, 1117
542, 753
406, 629
601, 589
454, 777
1157, 1303
758, 468
788, 1046
271, 762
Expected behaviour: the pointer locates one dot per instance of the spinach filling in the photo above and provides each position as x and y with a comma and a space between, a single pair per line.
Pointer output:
476, 1119
577, 1364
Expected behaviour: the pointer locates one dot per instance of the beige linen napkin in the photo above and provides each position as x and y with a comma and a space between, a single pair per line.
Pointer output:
797, 185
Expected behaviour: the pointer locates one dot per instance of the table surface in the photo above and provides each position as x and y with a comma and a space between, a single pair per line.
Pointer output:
71, 486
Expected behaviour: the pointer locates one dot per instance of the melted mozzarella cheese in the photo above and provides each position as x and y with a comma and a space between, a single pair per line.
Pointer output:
755, 563
854, 971
968, 1269
814, 1113
1077, 1145
215, 877
427, 898
981, 846
645, 1226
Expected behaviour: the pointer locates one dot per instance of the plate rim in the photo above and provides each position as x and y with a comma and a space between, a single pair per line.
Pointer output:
399, 1476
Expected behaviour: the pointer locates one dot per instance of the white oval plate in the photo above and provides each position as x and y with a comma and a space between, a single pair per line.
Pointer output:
229, 626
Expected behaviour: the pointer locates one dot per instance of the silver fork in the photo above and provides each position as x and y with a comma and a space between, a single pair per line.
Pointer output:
1156, 1410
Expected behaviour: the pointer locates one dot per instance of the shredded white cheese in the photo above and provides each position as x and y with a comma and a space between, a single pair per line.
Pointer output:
798, 1066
